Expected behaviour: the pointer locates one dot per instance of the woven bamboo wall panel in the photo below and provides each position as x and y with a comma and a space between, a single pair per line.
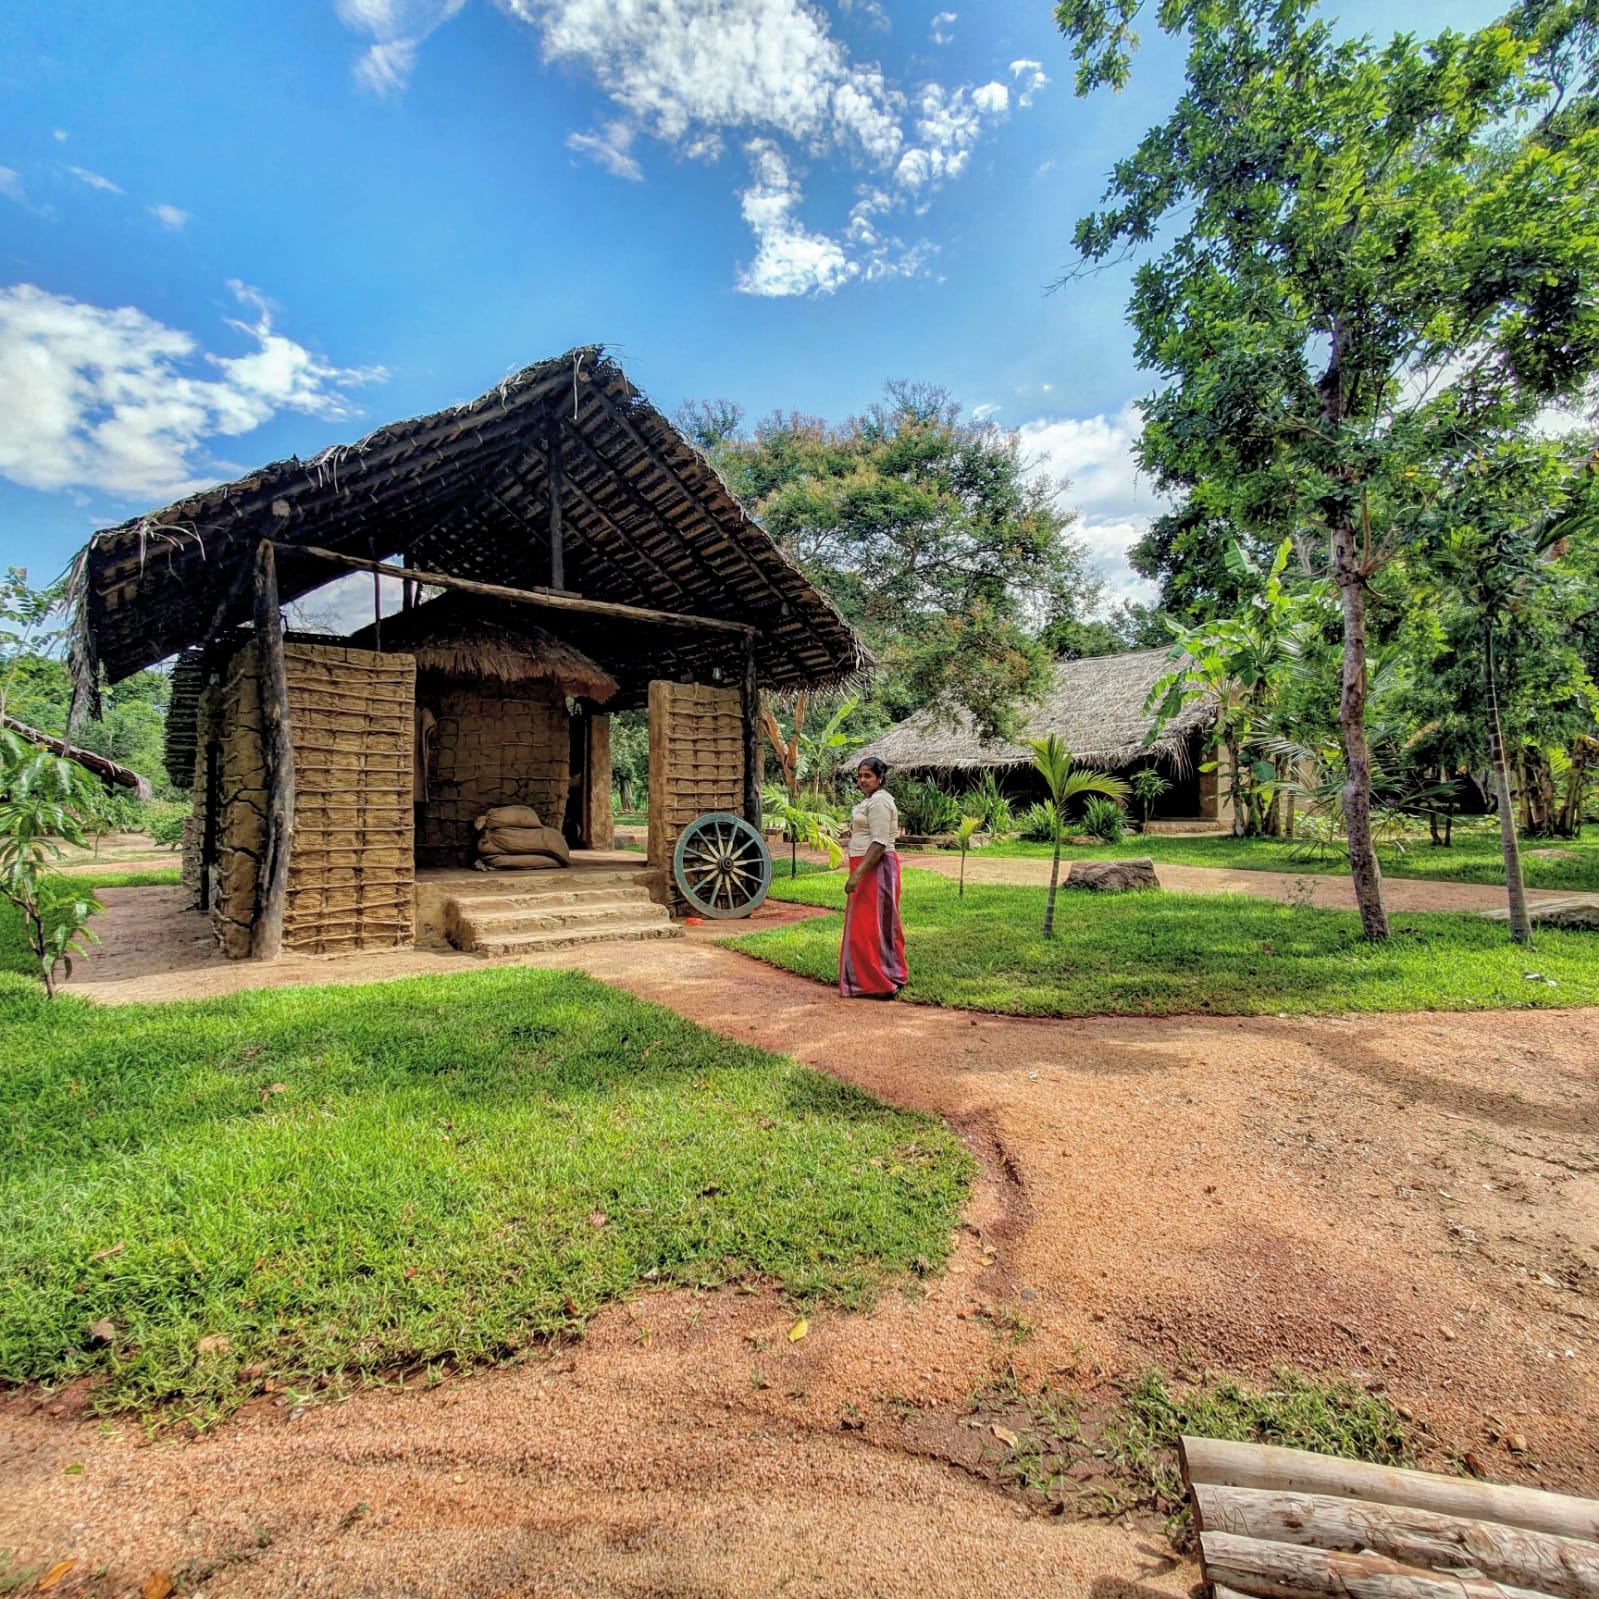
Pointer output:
351, 871
207, 703
493, 745
696, 762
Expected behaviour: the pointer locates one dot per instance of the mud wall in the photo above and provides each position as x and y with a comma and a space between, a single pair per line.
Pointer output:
696, 762
492, 746
351, 870
194, 863
241, 809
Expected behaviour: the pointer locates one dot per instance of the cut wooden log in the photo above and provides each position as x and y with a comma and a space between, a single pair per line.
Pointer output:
1293, 1571
1564, 1566
1236, 1465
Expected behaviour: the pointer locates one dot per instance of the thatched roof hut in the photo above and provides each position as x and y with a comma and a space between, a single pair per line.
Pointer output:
480, 642
1097, 707
562, 478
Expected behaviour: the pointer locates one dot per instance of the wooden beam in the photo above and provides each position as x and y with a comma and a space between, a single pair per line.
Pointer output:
750, 706
541, 598
272, 879
552, 479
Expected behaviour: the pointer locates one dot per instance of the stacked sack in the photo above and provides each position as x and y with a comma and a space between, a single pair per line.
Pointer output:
510, 838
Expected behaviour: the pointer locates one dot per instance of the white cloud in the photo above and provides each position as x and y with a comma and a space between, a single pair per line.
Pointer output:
943, 25
11, 186
981, 413
1096, 455
169, 216
60, 135
398, 27
109, 399
696, 75
1030, 79
609, 147
94, 180
788, 258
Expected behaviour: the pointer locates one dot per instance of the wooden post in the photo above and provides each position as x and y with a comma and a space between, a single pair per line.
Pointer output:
750, 705
272, 880
552, 468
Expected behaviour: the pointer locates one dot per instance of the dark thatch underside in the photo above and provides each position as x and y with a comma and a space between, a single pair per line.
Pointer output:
466, 638
1096, 706
646, 521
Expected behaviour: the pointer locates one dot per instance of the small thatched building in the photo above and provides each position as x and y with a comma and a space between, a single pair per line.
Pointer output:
1097, 707
563, 553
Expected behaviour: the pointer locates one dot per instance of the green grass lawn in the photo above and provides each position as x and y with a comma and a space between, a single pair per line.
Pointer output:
15, 956
340, 1182
1159, 953
1474, 857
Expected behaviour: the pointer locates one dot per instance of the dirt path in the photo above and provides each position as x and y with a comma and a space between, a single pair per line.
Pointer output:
1409, 1200
1335, 893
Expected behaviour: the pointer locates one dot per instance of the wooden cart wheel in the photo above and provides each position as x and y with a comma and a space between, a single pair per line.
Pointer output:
722, 866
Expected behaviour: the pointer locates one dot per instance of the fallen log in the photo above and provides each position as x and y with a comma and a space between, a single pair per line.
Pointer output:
1563, 1566
1235, 1465
1294, 1571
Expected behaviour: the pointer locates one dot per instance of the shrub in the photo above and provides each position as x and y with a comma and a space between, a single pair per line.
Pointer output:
1040, 823
925, 808
1104, 819
164, 821
988, 803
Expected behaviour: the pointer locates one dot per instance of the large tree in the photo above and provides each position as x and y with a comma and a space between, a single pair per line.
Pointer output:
1368, 250
931, 532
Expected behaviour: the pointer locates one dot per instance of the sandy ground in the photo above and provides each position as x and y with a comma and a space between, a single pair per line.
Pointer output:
1409, 1200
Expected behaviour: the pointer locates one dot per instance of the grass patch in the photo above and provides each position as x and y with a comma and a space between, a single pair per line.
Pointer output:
1474, 857
15, 956
1108, 1459
315, 1186
1159, 953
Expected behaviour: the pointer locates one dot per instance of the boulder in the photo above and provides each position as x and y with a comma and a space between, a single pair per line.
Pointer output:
1577, 914
1113, 877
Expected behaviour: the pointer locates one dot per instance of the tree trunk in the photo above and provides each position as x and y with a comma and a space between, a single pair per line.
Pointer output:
1515, 888
1054, 883
1363, 867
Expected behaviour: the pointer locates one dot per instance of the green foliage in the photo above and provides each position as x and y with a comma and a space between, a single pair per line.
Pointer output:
988, 801
1053, 762
1147, 785
165, 822
1041, 823
814, 828
1385, 262
343, 1182
928, 532
630, 757
964, 832
1105, 819
1160, 953
925, 809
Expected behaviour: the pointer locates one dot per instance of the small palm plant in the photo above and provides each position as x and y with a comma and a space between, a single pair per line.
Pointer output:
1053, 762
812, 828
963, 842
1148, 785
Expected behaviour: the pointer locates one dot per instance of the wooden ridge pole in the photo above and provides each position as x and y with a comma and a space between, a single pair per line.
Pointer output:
750, 706
272, 879
543, 598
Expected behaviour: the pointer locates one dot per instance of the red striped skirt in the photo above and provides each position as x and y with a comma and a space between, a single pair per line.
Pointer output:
871, 963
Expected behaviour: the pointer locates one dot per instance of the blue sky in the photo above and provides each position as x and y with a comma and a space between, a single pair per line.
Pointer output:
232, 233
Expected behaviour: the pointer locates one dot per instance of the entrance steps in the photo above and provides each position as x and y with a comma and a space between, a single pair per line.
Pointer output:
553, 910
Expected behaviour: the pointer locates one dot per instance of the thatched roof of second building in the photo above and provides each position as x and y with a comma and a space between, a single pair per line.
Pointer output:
1096, 706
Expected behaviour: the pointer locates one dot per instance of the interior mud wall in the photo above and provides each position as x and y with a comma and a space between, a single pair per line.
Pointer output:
351, 869
493, 745
696, 762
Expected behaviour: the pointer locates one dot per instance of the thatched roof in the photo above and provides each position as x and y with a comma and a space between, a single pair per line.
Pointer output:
646, 521
458, 638
1096, 706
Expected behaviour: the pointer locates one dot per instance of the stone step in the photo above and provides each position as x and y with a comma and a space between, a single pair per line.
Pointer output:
474, 925
560, 893
566, 937
464, 912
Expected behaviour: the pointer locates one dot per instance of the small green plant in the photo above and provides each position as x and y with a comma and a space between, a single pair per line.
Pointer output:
165, 823
987, 801
1053, 762
963, 842
813, 828
1105, 819
1040, 823
925, 809
1147, 785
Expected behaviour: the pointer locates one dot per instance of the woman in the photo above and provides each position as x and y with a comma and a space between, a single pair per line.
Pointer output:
871, 964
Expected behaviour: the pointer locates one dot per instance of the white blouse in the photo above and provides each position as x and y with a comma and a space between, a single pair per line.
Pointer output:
874, 821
